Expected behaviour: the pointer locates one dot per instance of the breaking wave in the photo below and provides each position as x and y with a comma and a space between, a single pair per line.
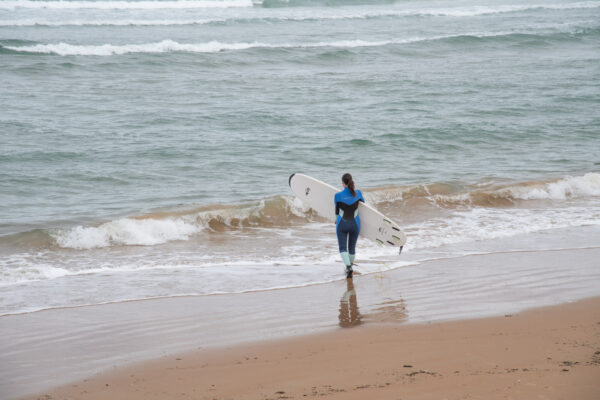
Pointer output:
158, 228
124, 5
492, 194
167, 46
286, 211
111, 22
296, 15
194, 4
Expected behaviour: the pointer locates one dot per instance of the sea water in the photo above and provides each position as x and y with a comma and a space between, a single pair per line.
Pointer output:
145, 146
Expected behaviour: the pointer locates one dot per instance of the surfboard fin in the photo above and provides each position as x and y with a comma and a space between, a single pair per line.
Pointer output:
400, 251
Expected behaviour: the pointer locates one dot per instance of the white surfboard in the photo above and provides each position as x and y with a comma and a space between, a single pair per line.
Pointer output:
373, 224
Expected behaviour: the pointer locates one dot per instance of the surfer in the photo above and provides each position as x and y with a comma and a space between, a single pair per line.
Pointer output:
347, 221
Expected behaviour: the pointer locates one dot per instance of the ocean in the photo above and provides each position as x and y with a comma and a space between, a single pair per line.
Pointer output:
145, 146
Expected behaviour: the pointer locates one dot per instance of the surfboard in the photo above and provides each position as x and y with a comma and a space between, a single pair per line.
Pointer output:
373, 224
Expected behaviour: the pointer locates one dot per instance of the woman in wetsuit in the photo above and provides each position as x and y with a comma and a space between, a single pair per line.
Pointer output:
347, 221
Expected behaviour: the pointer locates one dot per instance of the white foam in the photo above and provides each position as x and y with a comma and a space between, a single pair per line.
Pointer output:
124, 5
153, 231
570, 187
65, 49
587, 185
489, 223
367, 12
127, 231
110, 22
385, 195
371, 268
165, 46
24, 267
265, 15
296, 206
21, 268
501, 9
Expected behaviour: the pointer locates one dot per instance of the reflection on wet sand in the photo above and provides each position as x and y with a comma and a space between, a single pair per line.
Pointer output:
349, 313
388, 311
384, 312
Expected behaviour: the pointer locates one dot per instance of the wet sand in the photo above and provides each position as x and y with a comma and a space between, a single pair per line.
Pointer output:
48, 349
545, 353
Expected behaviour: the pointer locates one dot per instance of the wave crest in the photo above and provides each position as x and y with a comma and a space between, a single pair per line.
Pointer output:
124, 5
126, 231
492, 194
168, 46
287, 211
297, 15
163, 227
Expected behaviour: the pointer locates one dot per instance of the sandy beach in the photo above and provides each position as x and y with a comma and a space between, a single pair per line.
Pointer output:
154, 245
545, 353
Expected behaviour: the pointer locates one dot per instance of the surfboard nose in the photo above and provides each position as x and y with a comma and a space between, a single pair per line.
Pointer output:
290, 179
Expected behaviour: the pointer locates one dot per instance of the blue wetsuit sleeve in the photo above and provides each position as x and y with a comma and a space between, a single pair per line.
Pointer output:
361, 198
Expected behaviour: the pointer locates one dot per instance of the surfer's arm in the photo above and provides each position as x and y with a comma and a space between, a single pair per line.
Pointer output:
339, 212
336, 203
337, 207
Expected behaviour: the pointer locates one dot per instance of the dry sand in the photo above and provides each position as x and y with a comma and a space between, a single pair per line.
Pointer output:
546, 353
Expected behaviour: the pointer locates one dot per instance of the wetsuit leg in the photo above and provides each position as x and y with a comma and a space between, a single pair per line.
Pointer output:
352, 238
342, 236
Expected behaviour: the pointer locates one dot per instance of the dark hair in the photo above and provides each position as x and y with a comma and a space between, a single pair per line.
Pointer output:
347, 179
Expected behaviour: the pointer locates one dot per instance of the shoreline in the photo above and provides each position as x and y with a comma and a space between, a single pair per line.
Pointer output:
406, 264
547, 352
50, 348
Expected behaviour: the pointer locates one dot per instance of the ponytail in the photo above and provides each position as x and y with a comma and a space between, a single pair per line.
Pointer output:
347, 179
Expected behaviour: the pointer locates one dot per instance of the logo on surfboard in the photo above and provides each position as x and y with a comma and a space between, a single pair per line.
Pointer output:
307, 191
